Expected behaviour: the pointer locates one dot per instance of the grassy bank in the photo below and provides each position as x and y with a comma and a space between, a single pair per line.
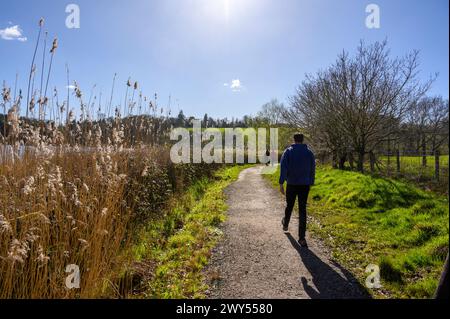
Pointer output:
174, 250
367, 220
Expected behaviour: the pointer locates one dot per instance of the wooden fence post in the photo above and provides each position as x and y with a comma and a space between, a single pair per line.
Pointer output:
389, 155
436, 164
398, 161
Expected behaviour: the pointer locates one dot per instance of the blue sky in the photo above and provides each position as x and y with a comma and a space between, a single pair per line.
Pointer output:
190, 49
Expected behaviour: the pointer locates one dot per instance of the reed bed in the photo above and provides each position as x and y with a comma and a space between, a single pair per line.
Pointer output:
81, 208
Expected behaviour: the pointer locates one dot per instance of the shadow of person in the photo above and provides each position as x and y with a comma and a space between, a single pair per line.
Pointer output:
328, 282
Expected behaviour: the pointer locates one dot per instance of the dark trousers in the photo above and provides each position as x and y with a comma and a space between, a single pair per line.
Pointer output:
292, 192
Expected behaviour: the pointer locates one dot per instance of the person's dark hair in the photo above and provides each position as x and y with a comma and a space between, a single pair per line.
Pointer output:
299, 138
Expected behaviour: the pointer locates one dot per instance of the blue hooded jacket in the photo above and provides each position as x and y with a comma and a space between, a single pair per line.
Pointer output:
298, 165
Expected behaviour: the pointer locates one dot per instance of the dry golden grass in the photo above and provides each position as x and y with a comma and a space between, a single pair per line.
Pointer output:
84, 207
67, 209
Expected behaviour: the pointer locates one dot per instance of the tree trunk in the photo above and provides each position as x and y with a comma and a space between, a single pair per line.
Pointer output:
372, 161
361, 161
342, 160
334, 160
351, 161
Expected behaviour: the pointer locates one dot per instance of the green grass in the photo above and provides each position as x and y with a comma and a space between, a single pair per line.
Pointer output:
180, 244
368, 220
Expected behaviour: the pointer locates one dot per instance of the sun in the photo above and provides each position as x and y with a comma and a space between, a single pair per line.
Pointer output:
226, 9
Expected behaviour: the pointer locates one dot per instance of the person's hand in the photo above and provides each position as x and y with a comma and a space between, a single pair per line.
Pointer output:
282, 189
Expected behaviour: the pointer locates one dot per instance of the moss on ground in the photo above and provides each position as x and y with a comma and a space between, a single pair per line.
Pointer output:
180, 244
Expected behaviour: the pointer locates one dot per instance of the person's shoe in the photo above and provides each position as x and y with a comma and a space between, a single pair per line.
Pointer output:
285, 228
303, 243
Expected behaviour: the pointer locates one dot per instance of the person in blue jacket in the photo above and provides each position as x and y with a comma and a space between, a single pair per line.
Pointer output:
298, 169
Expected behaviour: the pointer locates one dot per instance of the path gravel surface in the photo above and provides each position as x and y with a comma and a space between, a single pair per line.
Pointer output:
256, 259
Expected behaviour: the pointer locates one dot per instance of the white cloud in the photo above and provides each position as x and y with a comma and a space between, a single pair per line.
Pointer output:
234, 85
70, 87
12, 33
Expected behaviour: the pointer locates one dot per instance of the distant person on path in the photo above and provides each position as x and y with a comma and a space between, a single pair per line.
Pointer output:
267, 155
298, 169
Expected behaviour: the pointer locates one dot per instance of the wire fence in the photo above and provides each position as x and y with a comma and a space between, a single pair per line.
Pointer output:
429, 168
432, 165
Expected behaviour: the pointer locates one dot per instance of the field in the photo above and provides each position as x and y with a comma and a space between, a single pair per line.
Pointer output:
412, 165
368, 220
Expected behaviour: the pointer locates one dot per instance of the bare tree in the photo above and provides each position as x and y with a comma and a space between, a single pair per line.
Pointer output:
427, 121
359, 101
312, 111
438, 123
271, 112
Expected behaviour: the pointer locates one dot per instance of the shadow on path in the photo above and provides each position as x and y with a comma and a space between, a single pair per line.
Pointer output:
328, 282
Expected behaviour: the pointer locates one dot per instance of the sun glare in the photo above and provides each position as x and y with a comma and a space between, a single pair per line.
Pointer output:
226, 10
226, 5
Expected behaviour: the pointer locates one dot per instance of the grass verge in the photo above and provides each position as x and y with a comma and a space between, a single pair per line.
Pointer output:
176, 248
367, 220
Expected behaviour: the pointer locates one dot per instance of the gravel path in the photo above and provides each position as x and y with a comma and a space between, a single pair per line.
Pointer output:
256, 259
